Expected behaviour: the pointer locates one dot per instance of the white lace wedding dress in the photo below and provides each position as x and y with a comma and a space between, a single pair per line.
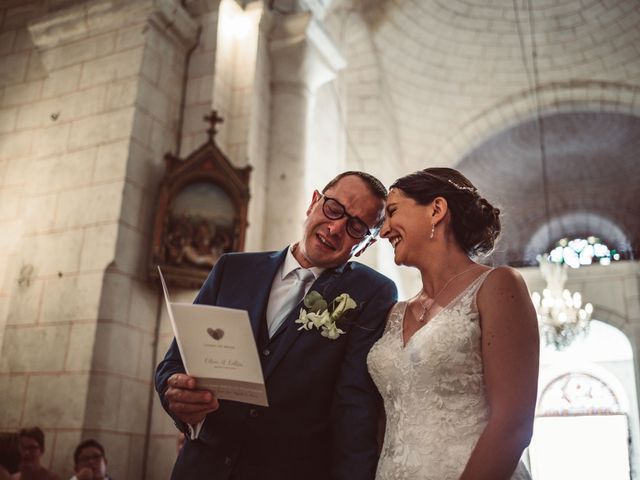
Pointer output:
433, 391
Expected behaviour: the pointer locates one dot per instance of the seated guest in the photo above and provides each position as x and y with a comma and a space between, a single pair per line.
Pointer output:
31, 448
89, 461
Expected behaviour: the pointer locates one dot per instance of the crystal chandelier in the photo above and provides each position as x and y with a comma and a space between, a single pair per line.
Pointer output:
561, 316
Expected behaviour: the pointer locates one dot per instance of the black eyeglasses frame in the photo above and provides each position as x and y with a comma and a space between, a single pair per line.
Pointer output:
370, 232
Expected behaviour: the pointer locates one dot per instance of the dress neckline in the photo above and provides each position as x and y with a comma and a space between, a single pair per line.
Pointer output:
445, 307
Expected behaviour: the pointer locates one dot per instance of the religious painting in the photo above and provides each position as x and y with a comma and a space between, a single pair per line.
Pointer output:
202, 213
201, 225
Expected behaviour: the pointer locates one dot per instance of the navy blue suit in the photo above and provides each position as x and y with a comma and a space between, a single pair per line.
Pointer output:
322, 419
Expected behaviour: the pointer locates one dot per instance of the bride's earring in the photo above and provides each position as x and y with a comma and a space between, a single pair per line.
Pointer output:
433, 230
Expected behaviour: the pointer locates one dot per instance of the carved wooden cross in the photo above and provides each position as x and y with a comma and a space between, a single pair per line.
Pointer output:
214, 119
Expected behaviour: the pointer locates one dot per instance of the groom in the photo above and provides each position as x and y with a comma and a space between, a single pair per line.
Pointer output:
322, 417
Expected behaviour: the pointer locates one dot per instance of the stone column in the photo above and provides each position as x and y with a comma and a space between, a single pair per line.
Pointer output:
303, 57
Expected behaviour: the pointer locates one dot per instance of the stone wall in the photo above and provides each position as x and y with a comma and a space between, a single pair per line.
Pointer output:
88, 112
199, 80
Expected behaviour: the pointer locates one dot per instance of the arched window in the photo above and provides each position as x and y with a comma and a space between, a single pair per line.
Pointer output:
582, 251
577, 393
584, 227
581, 431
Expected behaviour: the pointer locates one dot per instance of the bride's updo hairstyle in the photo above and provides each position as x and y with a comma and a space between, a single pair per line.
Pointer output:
474, 221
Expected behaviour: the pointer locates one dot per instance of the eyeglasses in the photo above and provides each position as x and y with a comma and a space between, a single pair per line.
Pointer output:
31, 448
356, 228
84, 459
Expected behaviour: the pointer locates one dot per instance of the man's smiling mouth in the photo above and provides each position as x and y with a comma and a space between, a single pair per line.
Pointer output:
325, 242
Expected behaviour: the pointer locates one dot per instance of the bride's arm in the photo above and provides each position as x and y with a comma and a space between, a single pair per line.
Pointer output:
510, 350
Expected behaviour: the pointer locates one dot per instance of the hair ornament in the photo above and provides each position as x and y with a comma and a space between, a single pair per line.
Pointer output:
462, 187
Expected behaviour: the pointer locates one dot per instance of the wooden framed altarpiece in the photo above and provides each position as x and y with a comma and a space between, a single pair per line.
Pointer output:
201, 213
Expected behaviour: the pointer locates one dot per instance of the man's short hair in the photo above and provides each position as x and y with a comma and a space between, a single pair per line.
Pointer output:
90, 442
375, 185
33, 432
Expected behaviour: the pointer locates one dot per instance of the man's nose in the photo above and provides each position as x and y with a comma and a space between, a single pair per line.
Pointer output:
338, 226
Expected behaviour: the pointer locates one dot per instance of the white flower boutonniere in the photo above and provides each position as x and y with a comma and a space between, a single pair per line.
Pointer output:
318, 316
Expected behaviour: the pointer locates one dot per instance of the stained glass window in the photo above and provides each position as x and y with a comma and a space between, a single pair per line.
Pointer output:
577, 394
583, 251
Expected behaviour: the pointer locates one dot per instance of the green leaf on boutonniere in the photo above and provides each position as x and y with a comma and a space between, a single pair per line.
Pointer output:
314, 302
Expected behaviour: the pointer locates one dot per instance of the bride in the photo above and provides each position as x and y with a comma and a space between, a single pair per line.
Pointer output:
457, 365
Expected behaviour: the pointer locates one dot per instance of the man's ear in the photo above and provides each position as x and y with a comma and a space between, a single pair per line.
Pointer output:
363, 246
314, 199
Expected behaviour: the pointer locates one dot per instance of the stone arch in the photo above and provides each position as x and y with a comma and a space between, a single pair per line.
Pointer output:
588, 149
556, 97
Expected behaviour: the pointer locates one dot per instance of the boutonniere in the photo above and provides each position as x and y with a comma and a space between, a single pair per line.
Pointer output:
323, 317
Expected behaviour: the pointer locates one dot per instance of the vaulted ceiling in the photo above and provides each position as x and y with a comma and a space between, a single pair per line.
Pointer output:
447, 64
592, 181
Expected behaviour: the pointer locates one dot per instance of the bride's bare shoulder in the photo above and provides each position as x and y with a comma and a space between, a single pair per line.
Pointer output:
503, 286
503, 277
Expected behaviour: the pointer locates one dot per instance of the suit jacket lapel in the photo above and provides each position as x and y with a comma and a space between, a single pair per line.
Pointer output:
326, 285
261, 291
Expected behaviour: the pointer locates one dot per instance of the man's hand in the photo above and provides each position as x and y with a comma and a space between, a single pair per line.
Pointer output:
187, 402
84, 474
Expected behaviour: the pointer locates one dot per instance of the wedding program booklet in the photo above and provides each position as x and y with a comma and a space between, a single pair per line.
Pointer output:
218, 349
